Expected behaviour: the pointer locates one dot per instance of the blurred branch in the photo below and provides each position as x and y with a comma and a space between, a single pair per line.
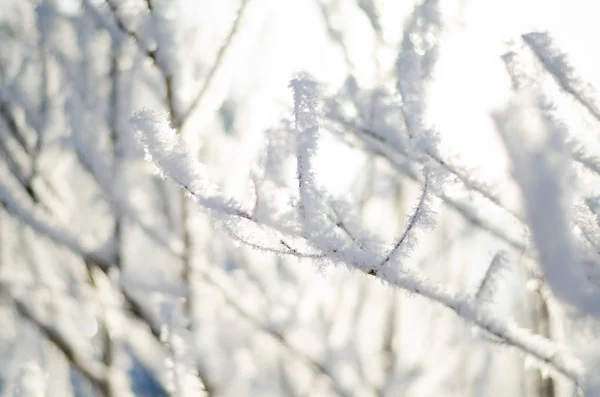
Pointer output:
491, 274
95, 373
109, 346
223, 50
12, 163
189, 270
7, 116
152, 54
371, 11
336, 35
390, 344
44, 106
91, 259
12, 126
42, 224
275, 335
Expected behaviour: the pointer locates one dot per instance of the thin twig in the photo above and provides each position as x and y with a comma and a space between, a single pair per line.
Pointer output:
412, 222
217, 63
555, 62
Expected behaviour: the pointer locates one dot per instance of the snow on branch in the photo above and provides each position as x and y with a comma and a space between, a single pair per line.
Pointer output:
557, 64
163, 147
539, 348
540, 167
306, 102
306, 116
314, 203
421, 217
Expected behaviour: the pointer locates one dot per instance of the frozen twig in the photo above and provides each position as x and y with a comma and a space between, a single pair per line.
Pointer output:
421, 214
157, 138
556, 63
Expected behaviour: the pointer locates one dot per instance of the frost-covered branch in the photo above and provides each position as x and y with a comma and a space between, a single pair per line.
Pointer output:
538, 159
375, 143
557, 64
421, 216
164, 148
167, 153
431, 158
306, 115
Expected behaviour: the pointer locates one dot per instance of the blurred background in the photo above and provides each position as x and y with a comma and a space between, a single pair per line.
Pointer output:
112, 283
